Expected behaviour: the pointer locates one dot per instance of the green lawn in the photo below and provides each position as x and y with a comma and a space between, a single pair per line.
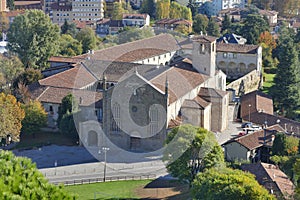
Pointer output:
108, 190
268, 82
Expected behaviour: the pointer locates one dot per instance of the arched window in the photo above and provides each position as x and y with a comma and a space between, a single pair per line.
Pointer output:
116, 120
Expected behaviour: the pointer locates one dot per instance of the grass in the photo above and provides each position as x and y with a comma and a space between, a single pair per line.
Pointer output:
44, 138
108, 190
268, 82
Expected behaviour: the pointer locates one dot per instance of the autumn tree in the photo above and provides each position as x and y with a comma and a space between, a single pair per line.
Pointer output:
87, 38
268, 44
34, 38
20, 179
68, 46
162, 9
200, 23
226, 183
178, 11
11, 116
191, 150
35, 117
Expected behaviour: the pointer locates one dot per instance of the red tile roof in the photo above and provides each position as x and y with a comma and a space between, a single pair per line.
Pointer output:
237, 48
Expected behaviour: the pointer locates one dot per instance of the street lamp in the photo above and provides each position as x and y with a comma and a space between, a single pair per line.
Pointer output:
104, 149
249, 111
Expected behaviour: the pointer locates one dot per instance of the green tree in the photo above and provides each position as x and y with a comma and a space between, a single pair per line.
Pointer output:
191, 150
193, 6
28, 77
20, 179
10, 68
69, 46
268, 44
213, 28
118, 10
148, 6
163, 9
10, 4
132, 34
200, 23
181, 28
227, 183
11, 116
178, 11
278, 147
4, 23
285, 91
34, 38
69, 28
226, 24
254, 25
87, 38
35, 118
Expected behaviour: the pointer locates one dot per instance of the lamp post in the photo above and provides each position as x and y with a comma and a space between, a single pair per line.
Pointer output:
104, 149
249, 111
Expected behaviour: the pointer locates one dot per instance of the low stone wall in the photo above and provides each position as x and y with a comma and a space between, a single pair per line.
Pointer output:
252, 81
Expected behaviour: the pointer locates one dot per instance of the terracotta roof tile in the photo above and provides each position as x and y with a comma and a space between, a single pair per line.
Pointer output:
256, 139
64, 59
204, 38
238, 48
208, 93
162, 42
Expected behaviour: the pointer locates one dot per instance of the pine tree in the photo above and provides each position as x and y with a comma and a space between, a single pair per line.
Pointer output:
286, 91
213, 28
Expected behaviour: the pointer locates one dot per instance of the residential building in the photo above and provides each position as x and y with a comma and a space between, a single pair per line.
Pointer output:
252, 147
28, 5
231, 38
172, 24
272, 178
153, 74
237, 60
81, 10
138, 20
3, 6
212, 8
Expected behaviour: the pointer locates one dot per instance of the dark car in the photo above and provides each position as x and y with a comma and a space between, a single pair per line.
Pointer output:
247, 125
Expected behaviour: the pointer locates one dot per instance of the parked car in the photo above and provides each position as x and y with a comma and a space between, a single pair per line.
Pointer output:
247, 125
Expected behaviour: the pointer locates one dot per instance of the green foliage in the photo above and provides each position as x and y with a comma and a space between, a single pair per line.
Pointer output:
285, 91
69, 46
191, 150
35, 117
10, 68
69, 28
20, 179
181, 28
132, 34
11, 115
67, 125
148, 6
279, 143
200, 23
87, 38
4, 23
178, 11
34, 38
162, 9
227, 183
254, 25
119, 9
226, 24
27, 77
10, 4
213, 28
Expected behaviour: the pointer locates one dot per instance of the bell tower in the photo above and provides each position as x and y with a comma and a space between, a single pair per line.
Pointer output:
204, 54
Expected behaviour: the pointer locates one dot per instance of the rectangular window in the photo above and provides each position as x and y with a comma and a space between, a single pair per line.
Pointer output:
224, 55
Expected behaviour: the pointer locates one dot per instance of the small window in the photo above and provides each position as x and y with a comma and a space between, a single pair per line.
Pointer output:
224, 55
234, 55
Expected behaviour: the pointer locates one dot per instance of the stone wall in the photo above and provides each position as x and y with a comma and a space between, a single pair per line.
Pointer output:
251, 82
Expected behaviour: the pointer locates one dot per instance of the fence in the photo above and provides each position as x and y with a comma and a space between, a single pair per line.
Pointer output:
107, 179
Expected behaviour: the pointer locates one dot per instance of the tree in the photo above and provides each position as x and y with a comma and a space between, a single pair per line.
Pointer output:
148, 6
254, 25
69, 46
4, 23
28, 77
87, 38
226, 24
213, 28
200, 23
268, 44
178, 11
191, 150
10, 68
227, 183
181, 28
163, 9
193, 5
20, 179
34, 38
285, 91
119, 10
279, 144
10, 4
69, 28
132, 34
35, 118
11, 116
